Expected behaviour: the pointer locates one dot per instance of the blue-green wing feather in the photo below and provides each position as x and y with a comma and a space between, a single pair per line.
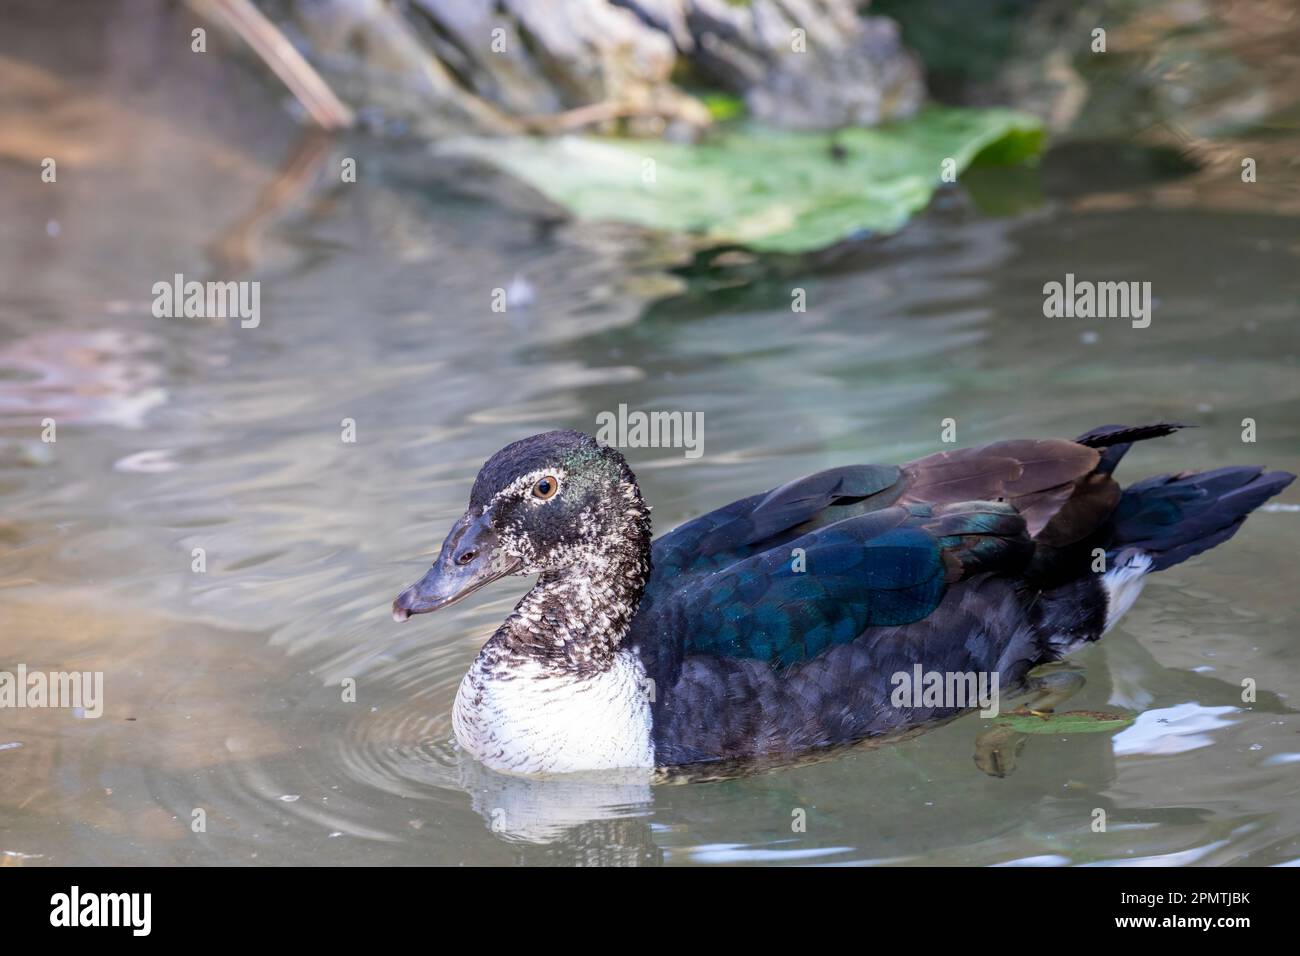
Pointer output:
784, 575
790, 601
762, 521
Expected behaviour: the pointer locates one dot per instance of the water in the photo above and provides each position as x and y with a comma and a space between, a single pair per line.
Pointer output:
225, 689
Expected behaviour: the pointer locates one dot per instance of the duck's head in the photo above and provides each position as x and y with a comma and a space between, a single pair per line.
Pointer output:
555, 502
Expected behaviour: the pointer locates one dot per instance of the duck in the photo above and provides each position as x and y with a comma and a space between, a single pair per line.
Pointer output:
779, 624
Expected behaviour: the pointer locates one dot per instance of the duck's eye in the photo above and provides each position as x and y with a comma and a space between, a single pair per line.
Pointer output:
546, 487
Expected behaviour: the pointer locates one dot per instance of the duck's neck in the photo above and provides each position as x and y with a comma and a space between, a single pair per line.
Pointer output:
574, 620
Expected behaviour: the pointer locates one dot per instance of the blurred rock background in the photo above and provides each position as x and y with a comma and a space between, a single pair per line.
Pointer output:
628, 64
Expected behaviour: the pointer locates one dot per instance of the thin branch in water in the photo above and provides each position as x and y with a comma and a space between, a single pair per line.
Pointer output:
268, 42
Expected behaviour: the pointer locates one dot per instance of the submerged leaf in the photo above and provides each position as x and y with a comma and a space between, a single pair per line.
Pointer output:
1068, 722
771, 191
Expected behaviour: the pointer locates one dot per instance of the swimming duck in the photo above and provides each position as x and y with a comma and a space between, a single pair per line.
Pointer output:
778, 623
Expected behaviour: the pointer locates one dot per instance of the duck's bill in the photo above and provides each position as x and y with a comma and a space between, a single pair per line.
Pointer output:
471, 557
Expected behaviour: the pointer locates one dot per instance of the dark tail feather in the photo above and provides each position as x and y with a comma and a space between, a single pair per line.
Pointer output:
1174, 517
1118, 439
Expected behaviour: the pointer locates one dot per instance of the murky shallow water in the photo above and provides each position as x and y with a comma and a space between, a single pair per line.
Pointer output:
224, 688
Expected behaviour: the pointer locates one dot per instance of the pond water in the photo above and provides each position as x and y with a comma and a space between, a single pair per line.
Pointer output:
224, 690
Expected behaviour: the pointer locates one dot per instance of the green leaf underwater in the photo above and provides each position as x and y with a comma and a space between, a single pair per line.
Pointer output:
1066, 722
769, 191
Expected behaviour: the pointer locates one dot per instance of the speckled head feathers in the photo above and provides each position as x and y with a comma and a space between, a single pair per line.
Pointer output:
590, 511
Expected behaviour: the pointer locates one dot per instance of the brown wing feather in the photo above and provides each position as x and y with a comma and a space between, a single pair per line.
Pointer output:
1038, 477
1092, 500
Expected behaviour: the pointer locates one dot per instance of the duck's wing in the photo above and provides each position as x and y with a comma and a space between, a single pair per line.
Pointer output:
1054, 484
778, 577
788, 603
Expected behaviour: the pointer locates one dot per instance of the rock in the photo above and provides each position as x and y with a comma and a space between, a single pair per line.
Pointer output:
553, 65
799, 64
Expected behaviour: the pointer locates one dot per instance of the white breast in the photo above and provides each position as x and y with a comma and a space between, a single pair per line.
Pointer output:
530, 720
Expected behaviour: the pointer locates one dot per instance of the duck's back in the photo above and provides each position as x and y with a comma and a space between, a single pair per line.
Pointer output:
778, 623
